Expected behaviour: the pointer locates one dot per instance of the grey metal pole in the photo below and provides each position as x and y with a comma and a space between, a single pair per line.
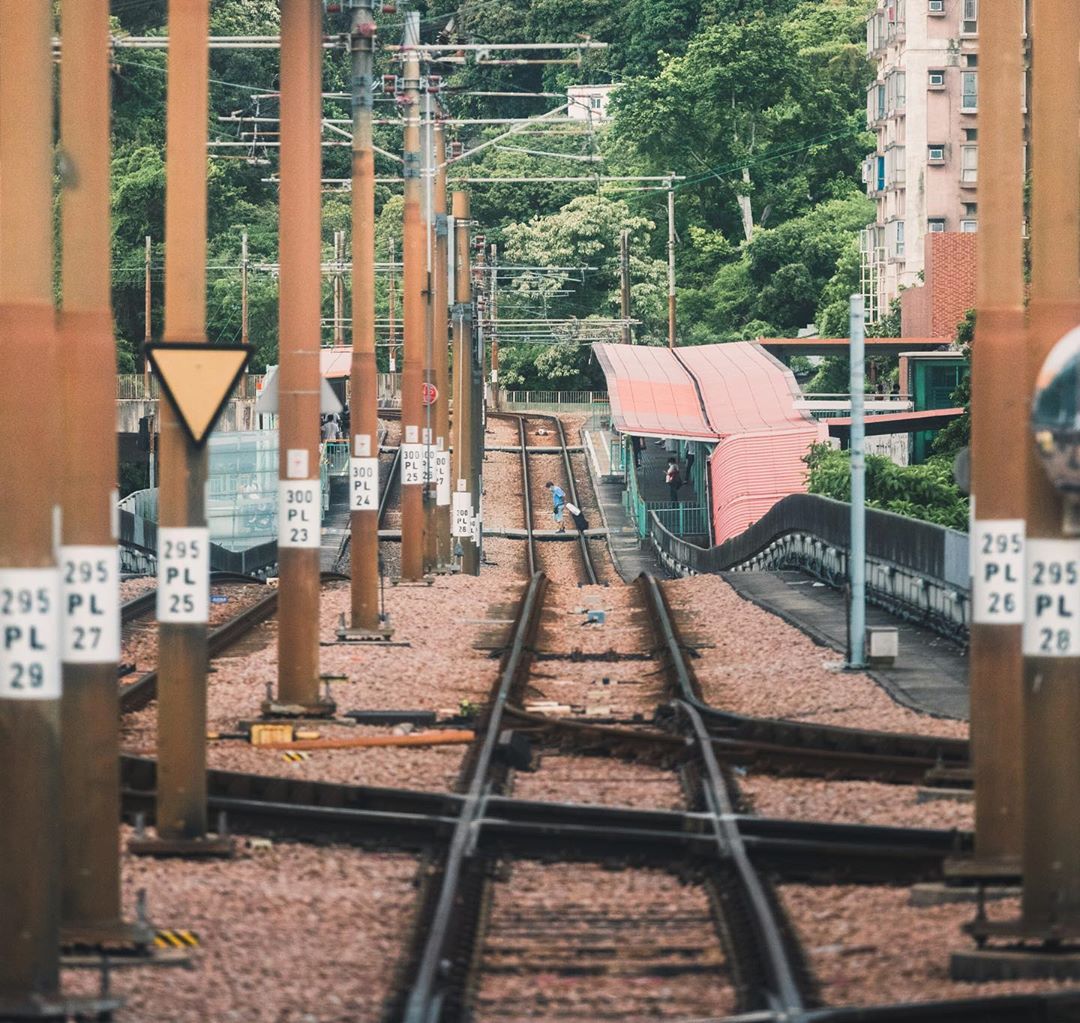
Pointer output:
857, 556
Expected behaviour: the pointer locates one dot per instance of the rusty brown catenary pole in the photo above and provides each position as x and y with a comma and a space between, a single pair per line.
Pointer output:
339, 289
183, 536
1051, 843
300, 492
440, 344
391, 303
429, 431
364, 465
89, 557
999, 447
30, 677
414, 285
467, 375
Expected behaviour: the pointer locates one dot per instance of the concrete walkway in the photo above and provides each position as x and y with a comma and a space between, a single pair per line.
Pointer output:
931, 673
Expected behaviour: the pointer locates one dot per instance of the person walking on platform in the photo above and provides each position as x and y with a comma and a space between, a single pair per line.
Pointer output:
558, 502
673, 478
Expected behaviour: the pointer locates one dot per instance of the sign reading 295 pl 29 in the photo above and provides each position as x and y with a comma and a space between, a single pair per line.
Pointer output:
29, 634
1052, 619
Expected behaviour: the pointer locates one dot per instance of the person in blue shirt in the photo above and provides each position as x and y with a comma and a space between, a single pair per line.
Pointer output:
558, 500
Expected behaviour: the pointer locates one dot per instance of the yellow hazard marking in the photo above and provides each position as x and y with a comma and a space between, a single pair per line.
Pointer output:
176, 939
294, 755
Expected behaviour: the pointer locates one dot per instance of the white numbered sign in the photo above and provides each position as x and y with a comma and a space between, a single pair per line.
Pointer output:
1052, 619
442, 478
461, 520
364, 484
29, 634
299, 513
183, 594
90, 581
412, 464
997, 571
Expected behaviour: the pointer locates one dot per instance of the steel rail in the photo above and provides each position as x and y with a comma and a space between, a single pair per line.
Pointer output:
586, 554
141, 692
451, 925
526, 497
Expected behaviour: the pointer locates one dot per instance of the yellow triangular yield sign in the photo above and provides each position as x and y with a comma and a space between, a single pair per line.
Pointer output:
198, 379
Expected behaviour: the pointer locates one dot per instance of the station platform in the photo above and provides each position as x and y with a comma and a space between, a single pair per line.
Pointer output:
629, 552
931, 673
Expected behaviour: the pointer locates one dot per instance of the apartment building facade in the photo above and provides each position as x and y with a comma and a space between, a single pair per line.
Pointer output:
923, 107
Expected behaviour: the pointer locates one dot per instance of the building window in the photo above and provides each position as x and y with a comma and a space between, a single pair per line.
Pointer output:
935, 80
935, 7
896, 168
935, 153
969, 91
936, 225
969, 165
970, 24
881, 174
899, 249
895, 91
596, 102
880, 105
971, 209
969, 226
971, 134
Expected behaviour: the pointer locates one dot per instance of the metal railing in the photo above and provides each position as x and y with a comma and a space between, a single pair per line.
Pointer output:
675, 517
916, 570
556, 401
335, 457
133, 386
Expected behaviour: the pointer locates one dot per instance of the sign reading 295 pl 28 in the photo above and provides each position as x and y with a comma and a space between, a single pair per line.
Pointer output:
1052, 621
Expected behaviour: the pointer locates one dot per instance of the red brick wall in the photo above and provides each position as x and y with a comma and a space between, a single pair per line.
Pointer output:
950, 270
915, 312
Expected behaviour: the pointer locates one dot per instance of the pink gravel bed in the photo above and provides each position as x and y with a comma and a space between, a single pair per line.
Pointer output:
136, 587
288, 934
560, 561
571, 779
426, 768
502, 491
393, 431
140, 637
563, 627
869, 946
503, 558
760, 665
500, 432
621, 690
853, 802
541, 432
577, 942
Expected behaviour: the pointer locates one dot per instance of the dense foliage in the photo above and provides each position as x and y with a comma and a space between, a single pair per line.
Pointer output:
758, 104
925, 491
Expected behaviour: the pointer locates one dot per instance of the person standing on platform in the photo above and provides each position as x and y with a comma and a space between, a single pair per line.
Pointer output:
558, 502
673, 478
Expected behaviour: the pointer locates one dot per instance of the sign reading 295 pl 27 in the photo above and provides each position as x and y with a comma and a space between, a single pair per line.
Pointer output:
1052, 621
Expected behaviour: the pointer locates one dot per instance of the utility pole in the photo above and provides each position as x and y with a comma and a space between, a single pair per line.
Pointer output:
364, 416
430, 438
339, 289
244, 267
624, 284
300, 491
671, 261
1000, 449
857, 553
30, 675
89, 557
391, 301
1051, 842
468, 381
147, 332
494, 327
440, 341
183, 536
414, 287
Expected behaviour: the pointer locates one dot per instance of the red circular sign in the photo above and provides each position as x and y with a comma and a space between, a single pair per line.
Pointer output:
430, 394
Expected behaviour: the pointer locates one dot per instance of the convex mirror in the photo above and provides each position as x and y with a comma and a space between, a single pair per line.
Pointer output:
1055, 413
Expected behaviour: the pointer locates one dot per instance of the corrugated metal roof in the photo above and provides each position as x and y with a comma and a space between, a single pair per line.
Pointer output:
651, 394
743, 387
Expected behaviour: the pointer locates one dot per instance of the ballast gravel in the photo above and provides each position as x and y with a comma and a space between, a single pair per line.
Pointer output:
288, 933
754, 663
